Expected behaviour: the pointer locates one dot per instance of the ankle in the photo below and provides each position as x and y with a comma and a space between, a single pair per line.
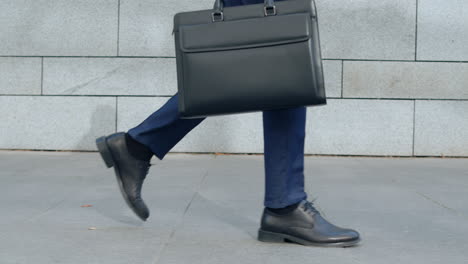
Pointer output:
284, 210
138, 150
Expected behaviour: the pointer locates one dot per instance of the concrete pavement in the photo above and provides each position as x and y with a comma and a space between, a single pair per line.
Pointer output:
206, 208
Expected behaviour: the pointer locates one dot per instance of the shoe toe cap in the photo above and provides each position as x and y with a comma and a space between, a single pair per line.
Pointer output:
140, 209
349, 234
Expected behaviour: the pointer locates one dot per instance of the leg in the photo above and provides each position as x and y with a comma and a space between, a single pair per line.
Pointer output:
163, 129
284, 148
284, 135
157, 134
287, 215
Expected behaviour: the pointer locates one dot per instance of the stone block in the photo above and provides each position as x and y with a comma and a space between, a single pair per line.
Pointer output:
441, 128
20, 75
361, 127
442, 30
431, 80
332, 72
239, 133
59, 27
55, 122
110, 76
347, 127
146, 25
367, 29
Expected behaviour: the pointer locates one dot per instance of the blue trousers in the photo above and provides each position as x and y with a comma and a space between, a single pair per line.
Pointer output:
283, 137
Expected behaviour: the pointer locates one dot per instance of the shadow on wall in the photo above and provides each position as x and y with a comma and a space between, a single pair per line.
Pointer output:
103, 122
212, 135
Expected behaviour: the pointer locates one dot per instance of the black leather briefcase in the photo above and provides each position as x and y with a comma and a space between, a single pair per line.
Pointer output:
248, 58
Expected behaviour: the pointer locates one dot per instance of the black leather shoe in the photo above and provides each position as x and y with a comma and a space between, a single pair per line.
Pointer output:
130, 172
305, 226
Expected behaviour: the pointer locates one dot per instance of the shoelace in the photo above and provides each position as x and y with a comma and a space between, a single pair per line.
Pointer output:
309, 207
146, 166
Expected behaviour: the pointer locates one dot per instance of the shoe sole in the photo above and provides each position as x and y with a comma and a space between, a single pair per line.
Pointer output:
105, 152
106, 155
272, 237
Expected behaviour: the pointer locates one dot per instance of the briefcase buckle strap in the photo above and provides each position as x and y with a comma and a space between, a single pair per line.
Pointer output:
269, 10
217, 16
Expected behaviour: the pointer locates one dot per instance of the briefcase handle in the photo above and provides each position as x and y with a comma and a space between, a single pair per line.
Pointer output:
269, 9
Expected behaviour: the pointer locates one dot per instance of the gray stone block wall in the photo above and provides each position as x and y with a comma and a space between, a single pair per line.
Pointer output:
396, 74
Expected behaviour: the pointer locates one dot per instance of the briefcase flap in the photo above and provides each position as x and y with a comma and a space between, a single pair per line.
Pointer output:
245, 33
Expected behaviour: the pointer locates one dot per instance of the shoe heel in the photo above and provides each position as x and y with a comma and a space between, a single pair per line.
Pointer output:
266, 236
104, 151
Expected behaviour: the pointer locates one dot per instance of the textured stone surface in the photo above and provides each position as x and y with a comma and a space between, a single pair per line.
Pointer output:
442, 30
367, 29
58, 27
358, 127
231, 133
110, 76
436, 80
441, 128
55, 122
134, 76
206, 209
146, 25
20, 75
44, 197
332, 72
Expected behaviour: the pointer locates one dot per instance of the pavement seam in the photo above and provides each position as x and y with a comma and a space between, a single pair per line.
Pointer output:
437, 202
426, 197
181, 221
43, 212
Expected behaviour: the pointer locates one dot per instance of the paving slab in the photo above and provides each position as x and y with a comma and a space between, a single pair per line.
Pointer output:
206, 209
44, 191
